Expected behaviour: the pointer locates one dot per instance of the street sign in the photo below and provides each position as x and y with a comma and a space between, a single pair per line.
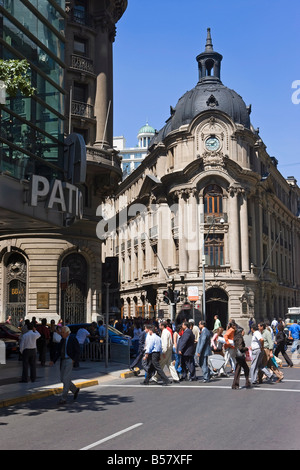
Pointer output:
193, 293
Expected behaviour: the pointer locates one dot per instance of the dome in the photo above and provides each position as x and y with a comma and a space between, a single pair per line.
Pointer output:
146, 130
208, 95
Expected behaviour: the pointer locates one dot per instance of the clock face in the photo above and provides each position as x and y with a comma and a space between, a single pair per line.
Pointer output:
212, 143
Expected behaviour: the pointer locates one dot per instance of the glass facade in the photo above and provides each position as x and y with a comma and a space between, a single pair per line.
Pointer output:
32, 140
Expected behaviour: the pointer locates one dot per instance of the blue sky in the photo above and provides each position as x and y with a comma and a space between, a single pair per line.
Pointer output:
155, 53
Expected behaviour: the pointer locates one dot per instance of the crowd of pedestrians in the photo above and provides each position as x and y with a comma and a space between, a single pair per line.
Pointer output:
185, 347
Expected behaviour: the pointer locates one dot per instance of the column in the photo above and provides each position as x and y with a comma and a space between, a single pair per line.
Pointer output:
183, 262
193, 234
244, 232
234, 231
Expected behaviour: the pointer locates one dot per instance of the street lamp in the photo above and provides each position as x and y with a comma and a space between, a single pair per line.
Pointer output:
203, 264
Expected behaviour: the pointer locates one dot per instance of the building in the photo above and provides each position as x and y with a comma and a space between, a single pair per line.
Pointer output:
208, 209
57, 161
133, 156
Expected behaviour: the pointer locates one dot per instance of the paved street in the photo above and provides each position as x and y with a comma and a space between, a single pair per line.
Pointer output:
125, 415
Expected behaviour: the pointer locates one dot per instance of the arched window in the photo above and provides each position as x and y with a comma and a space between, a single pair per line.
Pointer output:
213, 200
75, 295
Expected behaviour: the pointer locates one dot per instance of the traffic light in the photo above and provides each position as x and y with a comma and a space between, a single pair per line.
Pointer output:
110, 272
176, 296
166, 297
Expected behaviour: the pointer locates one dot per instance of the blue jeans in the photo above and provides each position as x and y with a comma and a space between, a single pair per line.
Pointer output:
295, 345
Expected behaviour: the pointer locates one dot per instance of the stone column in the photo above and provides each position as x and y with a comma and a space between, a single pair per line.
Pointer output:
234, 231
193, 234
244, 232
182, 222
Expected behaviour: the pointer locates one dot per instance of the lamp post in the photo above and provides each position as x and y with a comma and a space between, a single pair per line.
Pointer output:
203, 265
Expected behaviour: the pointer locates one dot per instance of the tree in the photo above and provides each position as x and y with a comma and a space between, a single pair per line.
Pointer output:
15, 75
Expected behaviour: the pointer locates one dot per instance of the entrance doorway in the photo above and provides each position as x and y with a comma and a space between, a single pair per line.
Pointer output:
216, 304
74, 297
16, 274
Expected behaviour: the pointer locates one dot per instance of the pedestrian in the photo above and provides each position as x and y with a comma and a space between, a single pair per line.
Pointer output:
294, 333
251, 322
186, 350
68, 353
241, 363
167, 349
281, 342
257, 348
217, 323
230, 352
28, 351
153, 349
267, 356
43, 341
203, 350
138, 361
82, 336
176, 337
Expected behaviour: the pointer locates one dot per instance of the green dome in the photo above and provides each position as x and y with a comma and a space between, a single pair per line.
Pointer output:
146, 130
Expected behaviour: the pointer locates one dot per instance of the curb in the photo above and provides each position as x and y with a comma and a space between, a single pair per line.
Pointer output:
130, 373
43, 393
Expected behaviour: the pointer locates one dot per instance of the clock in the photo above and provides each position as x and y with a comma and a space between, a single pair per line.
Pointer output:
212, 143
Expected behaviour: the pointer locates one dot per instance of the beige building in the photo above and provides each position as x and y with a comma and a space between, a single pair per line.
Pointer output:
49, 252
208, 187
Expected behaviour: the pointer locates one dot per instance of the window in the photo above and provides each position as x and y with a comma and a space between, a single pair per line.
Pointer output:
213, 200
80, 46
214, 250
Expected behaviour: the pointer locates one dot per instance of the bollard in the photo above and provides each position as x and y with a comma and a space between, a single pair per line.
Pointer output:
2, 352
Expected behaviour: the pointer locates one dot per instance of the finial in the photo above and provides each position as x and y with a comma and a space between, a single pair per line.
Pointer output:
208, 46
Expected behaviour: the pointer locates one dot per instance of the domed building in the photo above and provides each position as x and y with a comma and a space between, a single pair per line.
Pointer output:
209, 216
133, 156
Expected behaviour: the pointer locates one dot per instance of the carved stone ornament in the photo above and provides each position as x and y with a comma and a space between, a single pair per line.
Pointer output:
212, 102
16, 270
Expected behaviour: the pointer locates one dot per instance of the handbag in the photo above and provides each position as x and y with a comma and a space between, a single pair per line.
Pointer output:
249, 355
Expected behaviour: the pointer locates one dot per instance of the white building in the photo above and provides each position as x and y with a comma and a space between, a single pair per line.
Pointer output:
133, 156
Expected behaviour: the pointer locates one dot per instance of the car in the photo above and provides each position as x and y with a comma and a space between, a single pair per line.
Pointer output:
11, 346
9, 331
114, 335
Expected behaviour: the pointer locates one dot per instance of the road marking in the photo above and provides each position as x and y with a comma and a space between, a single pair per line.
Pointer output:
112, 436
193, 387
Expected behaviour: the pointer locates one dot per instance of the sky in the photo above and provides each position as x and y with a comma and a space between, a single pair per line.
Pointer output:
155, 53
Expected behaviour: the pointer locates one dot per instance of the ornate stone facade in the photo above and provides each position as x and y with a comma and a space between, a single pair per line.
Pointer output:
208, 197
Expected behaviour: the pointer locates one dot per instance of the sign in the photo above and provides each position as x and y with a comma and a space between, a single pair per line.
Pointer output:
42, 300
193, 293
65, 197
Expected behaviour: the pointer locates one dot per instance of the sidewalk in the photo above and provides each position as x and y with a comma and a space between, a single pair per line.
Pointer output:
48, 382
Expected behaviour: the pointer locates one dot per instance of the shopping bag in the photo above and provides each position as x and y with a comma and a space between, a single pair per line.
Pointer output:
249, 355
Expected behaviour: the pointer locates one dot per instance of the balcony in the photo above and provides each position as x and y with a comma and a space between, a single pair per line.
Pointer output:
83, 110
82, 64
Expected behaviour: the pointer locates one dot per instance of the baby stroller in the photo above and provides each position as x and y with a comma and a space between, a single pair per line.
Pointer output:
216, 364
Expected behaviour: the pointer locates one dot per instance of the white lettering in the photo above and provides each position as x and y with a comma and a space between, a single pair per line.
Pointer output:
39, 188
296, 94
57, 198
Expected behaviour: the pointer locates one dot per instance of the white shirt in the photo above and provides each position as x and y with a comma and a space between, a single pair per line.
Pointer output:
255, 344
82, 334
28, 340
166, 340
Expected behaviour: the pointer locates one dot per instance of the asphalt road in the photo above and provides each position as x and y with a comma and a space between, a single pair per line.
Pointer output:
123, 415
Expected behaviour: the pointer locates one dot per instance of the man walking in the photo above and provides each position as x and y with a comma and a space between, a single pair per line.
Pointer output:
294, 332
28, 351
167, 349
186, 350
69, 353
203, 350
153, 349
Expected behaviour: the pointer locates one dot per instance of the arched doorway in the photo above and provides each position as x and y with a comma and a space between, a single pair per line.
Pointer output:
74, 297
216, 304
16, 274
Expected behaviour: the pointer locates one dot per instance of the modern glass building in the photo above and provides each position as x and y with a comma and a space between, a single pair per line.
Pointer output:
31, 140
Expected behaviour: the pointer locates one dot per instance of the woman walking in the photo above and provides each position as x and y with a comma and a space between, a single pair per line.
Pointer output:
280, 342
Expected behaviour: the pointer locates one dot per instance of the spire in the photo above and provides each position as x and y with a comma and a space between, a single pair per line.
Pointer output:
209, 62
208, 46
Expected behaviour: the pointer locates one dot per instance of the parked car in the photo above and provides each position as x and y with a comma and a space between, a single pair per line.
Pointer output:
11, 345
114, 335
9, 331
